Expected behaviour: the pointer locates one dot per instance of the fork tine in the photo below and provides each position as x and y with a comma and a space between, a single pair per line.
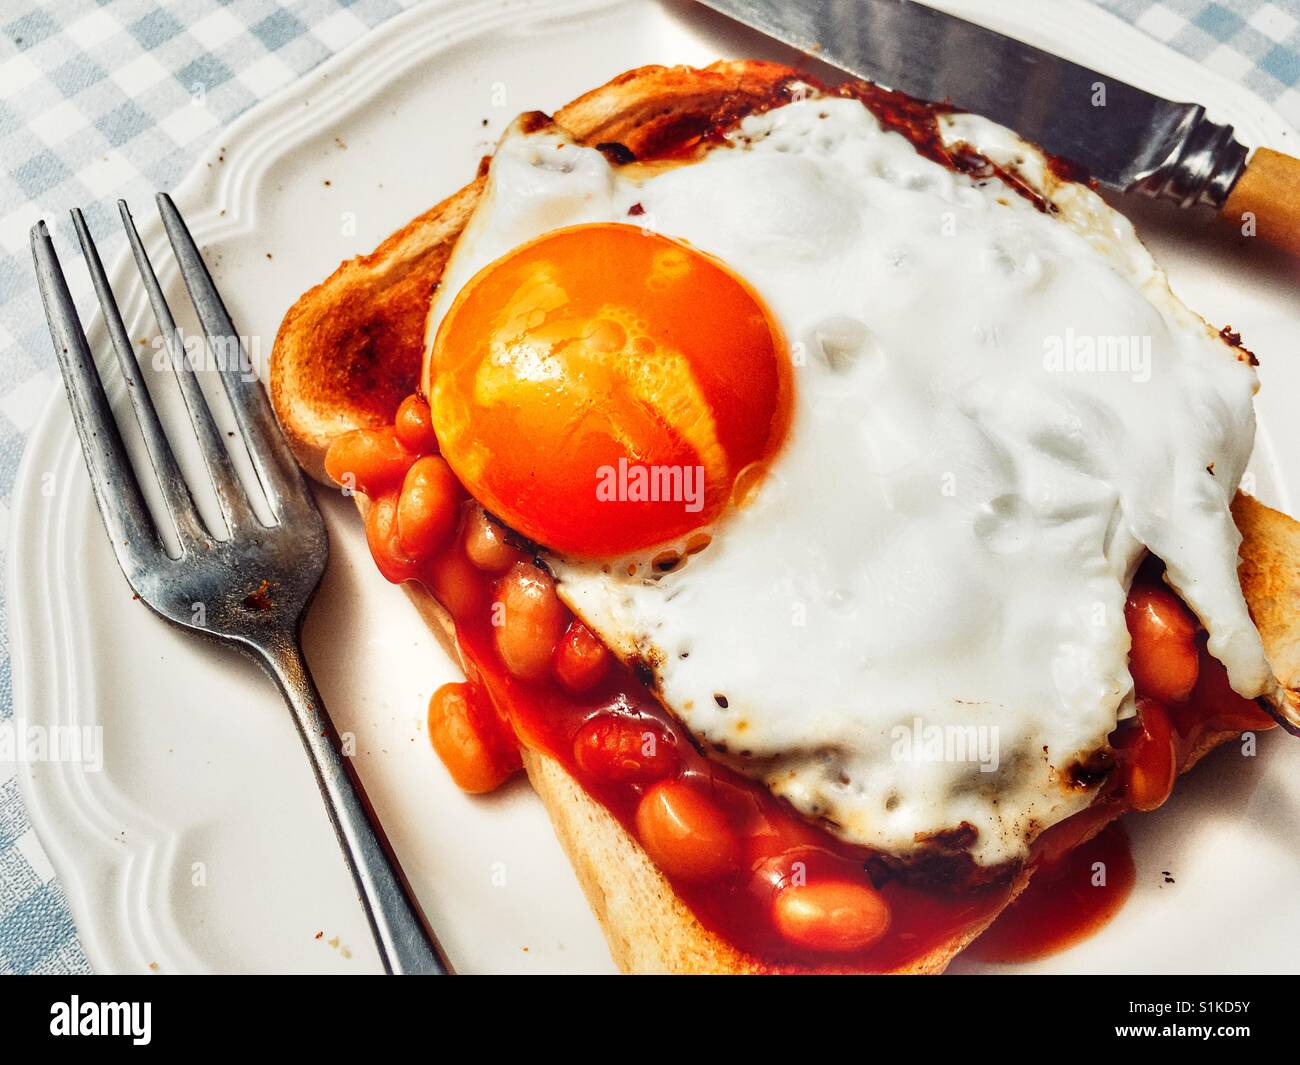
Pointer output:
280, 475
117, 492
175, 491
221, 471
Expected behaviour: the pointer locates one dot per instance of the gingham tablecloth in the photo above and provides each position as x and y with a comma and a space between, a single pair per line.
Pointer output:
97, 100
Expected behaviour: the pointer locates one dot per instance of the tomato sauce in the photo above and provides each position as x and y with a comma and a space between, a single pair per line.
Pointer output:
731, 850
1066, 901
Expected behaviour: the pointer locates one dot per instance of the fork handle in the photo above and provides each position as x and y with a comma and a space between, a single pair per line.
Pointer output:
405, 946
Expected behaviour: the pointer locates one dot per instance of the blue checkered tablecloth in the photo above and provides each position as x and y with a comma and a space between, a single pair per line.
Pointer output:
97, 101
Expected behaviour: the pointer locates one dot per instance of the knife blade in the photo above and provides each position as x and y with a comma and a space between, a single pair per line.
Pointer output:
1127, 139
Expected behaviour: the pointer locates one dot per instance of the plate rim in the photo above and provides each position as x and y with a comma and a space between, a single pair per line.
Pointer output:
220, 203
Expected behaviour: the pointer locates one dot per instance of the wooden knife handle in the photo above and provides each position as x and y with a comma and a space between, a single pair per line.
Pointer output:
1265, 201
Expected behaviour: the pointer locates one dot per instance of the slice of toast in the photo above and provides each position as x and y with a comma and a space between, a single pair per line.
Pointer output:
351, 348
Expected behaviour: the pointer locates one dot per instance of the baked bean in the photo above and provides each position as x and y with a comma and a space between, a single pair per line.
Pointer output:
456, 584
685, 832
532, 621
1151, 764
831, 916
414, 427
368, 460
486, 545
626, 749
581, 659
381, 535
476, 760
428, 507
1163, 658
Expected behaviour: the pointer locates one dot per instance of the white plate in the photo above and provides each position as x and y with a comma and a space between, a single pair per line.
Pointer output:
201, 845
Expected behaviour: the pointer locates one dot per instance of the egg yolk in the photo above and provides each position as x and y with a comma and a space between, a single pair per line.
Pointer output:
602, 389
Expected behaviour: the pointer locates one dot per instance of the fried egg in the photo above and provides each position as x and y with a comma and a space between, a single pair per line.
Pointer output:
936, 428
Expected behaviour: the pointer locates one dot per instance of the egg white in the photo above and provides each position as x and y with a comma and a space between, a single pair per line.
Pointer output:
918, 621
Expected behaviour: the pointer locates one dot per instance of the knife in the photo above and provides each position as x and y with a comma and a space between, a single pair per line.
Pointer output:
1128, 140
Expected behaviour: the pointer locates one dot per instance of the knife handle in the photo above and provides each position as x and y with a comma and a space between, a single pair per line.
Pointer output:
1265, 201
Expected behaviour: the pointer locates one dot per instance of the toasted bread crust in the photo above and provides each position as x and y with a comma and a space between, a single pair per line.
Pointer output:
350, 349
1270, 580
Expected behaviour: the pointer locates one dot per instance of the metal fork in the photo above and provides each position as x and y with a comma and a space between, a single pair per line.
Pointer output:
250, 587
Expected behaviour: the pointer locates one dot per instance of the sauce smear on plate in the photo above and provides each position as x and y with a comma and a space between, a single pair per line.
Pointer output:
1067, 901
